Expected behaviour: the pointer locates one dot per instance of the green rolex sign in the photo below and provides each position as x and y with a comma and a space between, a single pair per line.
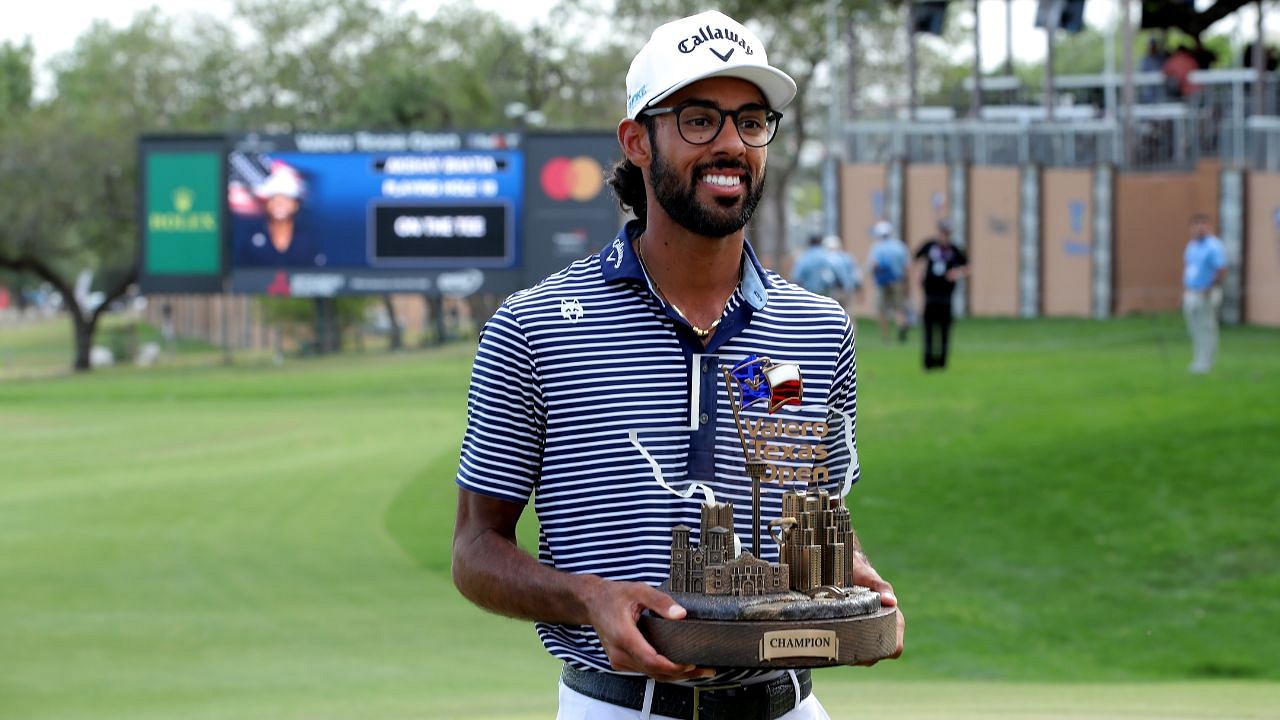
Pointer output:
182, 220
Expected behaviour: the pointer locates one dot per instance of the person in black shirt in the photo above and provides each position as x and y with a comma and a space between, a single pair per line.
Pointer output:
943, 264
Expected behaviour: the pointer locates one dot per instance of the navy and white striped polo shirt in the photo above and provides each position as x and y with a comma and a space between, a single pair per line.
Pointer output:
565, 369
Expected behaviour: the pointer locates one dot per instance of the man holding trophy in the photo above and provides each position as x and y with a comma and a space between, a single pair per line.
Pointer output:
599, 394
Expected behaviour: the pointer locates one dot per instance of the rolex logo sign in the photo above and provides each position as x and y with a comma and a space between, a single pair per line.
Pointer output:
183, 218
183, 199
182, 194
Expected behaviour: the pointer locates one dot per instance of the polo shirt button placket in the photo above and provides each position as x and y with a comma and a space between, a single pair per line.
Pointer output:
703, 418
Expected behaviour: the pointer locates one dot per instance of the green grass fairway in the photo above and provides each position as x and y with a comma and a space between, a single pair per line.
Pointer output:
1076, 527
949, 700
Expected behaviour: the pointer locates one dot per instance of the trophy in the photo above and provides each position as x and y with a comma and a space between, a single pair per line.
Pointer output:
743, 610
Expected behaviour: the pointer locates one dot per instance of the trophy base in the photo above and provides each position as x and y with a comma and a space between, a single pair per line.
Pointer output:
805, 635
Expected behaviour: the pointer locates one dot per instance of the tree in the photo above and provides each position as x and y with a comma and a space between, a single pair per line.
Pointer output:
1185, 16
66, 206
154, 74
17, 80
300, 66
320, 65
68, 175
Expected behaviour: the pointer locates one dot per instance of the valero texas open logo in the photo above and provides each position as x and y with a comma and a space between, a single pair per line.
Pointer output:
580, 178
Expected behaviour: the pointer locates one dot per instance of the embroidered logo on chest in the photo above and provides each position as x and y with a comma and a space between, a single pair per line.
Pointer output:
571, 310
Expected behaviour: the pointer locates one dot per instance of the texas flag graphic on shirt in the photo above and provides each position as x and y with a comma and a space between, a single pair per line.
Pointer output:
778, 384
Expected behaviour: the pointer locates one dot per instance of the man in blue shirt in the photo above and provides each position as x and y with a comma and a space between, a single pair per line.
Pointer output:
633, 338
1204, 268
848, 275
889, 261
815, 269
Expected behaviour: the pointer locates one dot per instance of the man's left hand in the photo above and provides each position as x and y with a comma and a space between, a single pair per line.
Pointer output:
866, 576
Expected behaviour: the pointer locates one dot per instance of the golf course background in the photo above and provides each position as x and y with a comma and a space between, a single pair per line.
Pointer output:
1076, 528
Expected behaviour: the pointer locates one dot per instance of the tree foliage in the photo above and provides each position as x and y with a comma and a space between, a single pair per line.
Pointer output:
66, 206
68, 188
17, 78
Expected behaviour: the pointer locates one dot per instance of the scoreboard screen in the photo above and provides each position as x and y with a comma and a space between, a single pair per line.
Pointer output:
353, 201
313, 214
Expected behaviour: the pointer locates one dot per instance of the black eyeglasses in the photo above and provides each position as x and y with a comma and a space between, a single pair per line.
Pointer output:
700, 122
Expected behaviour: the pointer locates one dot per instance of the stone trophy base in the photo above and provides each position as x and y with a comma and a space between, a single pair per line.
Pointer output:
789, 630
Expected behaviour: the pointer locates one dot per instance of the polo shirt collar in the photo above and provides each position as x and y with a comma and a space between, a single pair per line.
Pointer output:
618, 262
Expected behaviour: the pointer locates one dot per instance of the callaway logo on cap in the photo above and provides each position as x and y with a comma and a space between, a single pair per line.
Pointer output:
709, 44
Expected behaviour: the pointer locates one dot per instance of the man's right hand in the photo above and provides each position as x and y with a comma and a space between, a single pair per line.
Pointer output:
615, 608
494, 573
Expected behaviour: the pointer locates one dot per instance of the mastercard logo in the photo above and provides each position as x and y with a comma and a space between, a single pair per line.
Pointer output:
580, 178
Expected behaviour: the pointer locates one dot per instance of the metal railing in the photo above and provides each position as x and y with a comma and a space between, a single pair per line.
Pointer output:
1217, 120
1262, 144
1224, 88
1158, 141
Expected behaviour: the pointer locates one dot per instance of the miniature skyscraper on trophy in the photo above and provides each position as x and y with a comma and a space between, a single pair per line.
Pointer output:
802, 611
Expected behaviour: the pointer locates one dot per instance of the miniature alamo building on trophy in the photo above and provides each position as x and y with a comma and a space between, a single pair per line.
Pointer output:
815, 539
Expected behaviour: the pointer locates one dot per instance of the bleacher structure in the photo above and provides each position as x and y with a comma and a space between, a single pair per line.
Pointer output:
1082, 211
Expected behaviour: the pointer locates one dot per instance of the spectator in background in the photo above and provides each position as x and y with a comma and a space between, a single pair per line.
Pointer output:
1270, 59
816, 270
848, 287
1177, 71
1204, 268
1153, 61
943, 264
167, 332
889, 260
1205, 58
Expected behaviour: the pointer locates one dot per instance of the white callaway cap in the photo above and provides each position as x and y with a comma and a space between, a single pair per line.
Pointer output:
709, 44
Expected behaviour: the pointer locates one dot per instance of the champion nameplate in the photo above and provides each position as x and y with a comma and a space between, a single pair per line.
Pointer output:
799, 643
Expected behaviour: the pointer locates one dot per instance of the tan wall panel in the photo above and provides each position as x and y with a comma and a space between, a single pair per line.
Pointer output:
1209, 189
1066, 243
994, 208
926, 202
862, 198
1262, 250
1153, 212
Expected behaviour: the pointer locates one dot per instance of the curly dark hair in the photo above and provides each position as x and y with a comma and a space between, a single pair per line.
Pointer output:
627, 181
628, 187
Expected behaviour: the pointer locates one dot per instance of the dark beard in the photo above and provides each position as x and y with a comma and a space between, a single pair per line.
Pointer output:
681, 202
